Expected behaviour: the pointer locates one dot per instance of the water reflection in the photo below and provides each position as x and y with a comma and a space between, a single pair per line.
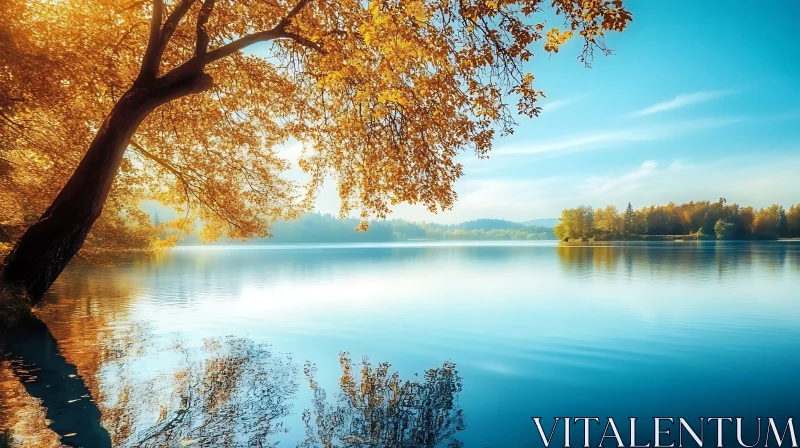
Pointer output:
226, 392
229, 392
377, 408
32, 356
535, 329
707, 259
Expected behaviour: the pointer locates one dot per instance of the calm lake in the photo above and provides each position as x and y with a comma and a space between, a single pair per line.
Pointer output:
248, 346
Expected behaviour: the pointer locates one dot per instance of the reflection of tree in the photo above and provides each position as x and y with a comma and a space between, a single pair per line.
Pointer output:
193, 394
376, 408
228, 392
21, 416
231, 392
32, 356
662, 260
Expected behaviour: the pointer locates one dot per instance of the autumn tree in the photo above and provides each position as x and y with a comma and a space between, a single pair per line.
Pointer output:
793, 221
657, 220
693, 215
715, 212
607, 222
628, 219
724, 230
747, 217
382, 94
575, 224
769, 222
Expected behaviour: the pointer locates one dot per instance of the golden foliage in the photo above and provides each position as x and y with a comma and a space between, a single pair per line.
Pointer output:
696, 220
383, 95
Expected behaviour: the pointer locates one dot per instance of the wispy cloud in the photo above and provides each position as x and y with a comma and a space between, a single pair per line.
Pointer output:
750, 180
628, 181
571, 143
503, 198
604, 139
552, 106
683, 100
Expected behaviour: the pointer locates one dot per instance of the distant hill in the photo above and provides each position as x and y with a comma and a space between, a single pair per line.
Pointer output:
550, 223
489, 224
326, 228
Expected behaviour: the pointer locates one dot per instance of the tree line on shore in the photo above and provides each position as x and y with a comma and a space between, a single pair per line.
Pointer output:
697, 220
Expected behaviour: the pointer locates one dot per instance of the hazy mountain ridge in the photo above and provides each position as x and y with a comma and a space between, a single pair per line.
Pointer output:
543, 222
326, 228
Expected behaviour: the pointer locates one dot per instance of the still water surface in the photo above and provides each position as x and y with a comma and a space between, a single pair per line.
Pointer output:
251, 346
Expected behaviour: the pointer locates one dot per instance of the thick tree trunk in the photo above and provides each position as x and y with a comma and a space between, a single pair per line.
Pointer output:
48, 245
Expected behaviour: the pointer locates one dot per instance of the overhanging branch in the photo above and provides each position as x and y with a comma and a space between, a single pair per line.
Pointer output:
188, 188
279, 32
264, 36
303, 41
165, 164
240, 44
194, 66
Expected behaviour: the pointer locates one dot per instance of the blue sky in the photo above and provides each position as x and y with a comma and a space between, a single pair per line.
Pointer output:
699, 101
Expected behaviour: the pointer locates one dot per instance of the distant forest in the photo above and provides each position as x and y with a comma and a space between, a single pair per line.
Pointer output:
692, 220
326, 228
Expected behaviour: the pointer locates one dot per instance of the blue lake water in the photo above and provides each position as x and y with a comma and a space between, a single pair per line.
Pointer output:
215, 346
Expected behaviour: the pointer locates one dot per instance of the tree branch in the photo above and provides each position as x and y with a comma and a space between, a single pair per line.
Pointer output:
10, 121
150, 62
189, 190
168, 166
303, 41
159, 37
202, 34
263, 36
172, 23
155, 22
294, 11
279, 32
239, 44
